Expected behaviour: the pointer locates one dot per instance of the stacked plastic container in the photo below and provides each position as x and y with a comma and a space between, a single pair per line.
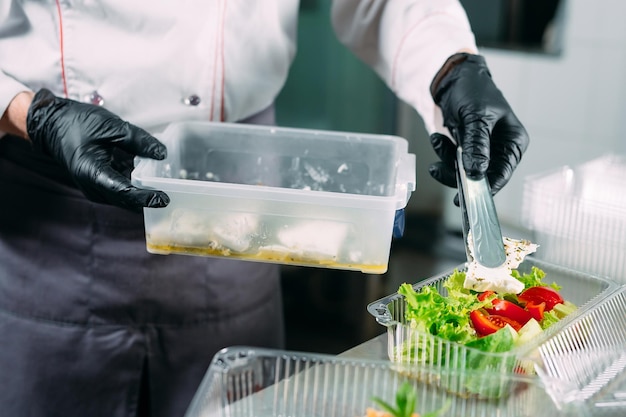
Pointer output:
578, 216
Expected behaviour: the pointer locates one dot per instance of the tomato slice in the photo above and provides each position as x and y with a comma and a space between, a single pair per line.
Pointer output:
485, 324
540, 295
505, 308
482, 324
536, 309
484, 295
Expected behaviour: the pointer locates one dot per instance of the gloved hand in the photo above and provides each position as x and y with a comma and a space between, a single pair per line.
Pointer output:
481, 121
96, 147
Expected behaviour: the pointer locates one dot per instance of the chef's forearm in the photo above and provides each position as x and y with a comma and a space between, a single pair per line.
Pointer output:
13, 120
406, 42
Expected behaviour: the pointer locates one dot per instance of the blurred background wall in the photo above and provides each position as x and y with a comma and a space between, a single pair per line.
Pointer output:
572, 102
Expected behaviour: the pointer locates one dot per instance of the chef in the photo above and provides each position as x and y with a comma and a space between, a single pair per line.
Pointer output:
90, 323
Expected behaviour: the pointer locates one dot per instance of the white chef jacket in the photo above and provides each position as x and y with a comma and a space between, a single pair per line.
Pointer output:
157, 61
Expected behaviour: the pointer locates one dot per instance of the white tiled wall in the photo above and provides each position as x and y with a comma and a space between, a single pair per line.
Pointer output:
573, 105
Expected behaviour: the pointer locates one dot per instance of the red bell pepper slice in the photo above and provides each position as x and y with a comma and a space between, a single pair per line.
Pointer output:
540, 295
511, 310
505, 308
536, 309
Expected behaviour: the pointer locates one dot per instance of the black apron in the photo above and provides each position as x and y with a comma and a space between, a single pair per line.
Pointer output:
93, 325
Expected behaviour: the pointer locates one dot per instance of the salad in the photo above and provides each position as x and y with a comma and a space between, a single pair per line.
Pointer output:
491, 313
486, 320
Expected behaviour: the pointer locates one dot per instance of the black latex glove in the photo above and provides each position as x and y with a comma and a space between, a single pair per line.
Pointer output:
96, 147
481, 121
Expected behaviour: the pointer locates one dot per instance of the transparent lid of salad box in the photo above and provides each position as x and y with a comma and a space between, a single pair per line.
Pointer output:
413, 346
247, 382
586, 360
578, 213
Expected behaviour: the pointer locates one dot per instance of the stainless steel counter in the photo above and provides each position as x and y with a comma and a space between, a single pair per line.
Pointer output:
375, 348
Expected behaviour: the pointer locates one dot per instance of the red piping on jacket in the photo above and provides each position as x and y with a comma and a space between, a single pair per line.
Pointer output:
219, 49
222, 110
61, 42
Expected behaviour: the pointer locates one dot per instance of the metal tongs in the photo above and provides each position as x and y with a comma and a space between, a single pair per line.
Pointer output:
479, 216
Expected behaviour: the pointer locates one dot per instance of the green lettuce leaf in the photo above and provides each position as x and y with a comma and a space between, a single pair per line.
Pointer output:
549, 318
534, 278
484, 360
429, 311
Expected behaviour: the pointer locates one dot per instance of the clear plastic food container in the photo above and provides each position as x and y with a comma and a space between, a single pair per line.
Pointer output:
248, 382
282, 195
582, 289
586, 360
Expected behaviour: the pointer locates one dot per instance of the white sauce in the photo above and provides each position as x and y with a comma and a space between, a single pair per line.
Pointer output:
480, 278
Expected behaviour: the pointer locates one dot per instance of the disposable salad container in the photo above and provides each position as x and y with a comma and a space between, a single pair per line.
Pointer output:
411, 346
578, 213
586, 360
281, 195
248, 382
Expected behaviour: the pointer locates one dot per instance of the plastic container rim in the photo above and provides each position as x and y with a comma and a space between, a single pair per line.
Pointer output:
379, 309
